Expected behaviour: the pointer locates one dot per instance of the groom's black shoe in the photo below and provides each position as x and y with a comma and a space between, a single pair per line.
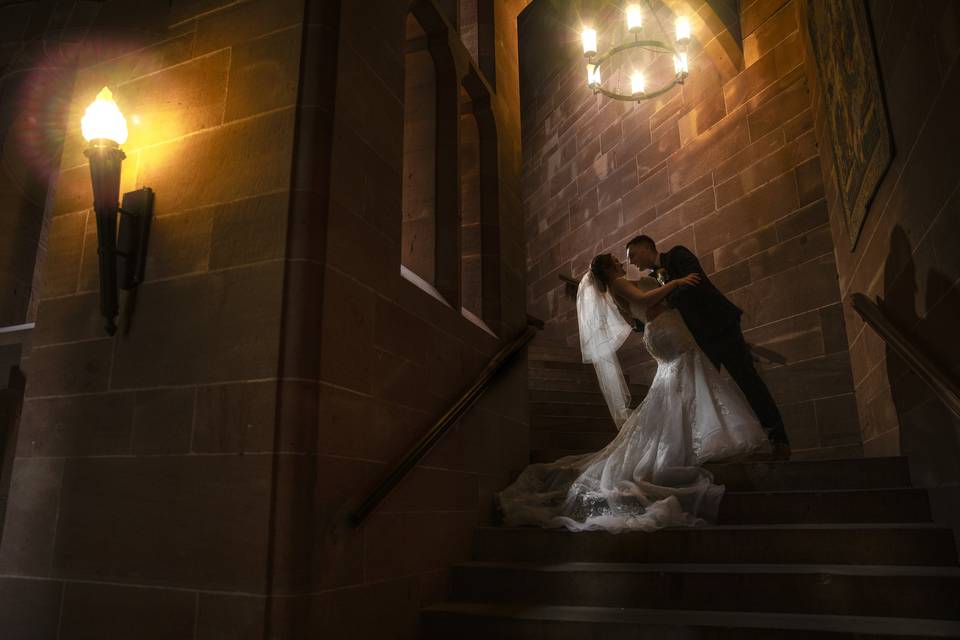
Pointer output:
781, 451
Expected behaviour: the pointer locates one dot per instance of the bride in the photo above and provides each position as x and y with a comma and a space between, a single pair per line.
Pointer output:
649, 476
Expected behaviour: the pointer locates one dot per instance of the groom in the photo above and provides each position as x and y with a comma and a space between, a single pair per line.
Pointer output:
714, 322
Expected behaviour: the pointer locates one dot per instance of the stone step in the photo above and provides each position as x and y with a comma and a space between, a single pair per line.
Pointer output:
637, 392
518, 622
849, 474
553, 351
535, 363
585, 440
588, 386
909, 592
560, 385
561, 354
824, 506
573, 423
570, 409
854, 473
551, 455
881, 544
902, 505
583, 375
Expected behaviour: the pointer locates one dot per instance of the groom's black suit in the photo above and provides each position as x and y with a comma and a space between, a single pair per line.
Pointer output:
714, 322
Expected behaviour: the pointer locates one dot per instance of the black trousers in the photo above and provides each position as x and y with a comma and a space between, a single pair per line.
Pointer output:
730, 350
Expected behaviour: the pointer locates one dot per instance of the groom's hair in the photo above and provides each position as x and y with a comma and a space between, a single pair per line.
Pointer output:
645, 241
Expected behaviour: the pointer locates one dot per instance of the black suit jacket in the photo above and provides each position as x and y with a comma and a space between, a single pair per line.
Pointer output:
706, 311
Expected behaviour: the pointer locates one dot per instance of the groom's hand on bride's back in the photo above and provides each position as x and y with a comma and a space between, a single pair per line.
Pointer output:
691, 279
684, 284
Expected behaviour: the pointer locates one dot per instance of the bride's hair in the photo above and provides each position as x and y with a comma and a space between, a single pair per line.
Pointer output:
600, 267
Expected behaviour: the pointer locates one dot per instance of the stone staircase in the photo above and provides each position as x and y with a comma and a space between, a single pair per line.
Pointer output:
567, 411
812, 549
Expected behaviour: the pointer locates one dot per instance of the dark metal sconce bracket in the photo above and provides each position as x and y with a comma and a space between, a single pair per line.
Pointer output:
135, 214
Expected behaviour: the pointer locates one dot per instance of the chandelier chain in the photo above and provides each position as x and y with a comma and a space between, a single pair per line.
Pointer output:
657, 16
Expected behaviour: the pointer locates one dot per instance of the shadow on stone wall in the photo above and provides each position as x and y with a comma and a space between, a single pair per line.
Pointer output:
929, 433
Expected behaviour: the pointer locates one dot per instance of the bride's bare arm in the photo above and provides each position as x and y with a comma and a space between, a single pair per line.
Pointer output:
622, 287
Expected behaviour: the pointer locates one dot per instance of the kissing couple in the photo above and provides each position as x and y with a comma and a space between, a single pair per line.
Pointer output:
651, 475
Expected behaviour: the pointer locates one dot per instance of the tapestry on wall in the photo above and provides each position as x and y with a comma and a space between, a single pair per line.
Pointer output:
852, 103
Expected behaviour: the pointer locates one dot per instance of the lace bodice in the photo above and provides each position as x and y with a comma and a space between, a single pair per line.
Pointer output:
666, 336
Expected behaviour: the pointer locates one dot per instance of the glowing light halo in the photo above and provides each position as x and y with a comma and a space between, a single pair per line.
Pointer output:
45, 107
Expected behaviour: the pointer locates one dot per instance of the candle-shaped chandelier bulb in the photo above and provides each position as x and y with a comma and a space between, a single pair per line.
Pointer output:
634, 18
683, 30
103, 121
680, 64
589, 37
593, 75
638, 83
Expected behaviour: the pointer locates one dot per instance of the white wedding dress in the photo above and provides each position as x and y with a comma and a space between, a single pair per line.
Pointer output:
649, 476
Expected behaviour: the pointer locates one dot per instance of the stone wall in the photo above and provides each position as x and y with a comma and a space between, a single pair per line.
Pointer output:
393, 356
141, 497
193, 476
728, 165
906, 254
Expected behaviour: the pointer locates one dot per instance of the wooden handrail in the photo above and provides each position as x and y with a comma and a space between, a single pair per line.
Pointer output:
442, 425
759, 354
926, 369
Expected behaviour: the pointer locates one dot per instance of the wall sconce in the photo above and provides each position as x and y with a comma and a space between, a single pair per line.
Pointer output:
105, 129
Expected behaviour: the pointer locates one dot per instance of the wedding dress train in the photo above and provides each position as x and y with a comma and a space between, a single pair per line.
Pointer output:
649, 476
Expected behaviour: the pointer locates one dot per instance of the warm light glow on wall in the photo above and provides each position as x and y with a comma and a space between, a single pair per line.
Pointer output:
103, 121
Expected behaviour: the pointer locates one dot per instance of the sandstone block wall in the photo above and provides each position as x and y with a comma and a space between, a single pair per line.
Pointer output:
906, 253
729, 166
192, 476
